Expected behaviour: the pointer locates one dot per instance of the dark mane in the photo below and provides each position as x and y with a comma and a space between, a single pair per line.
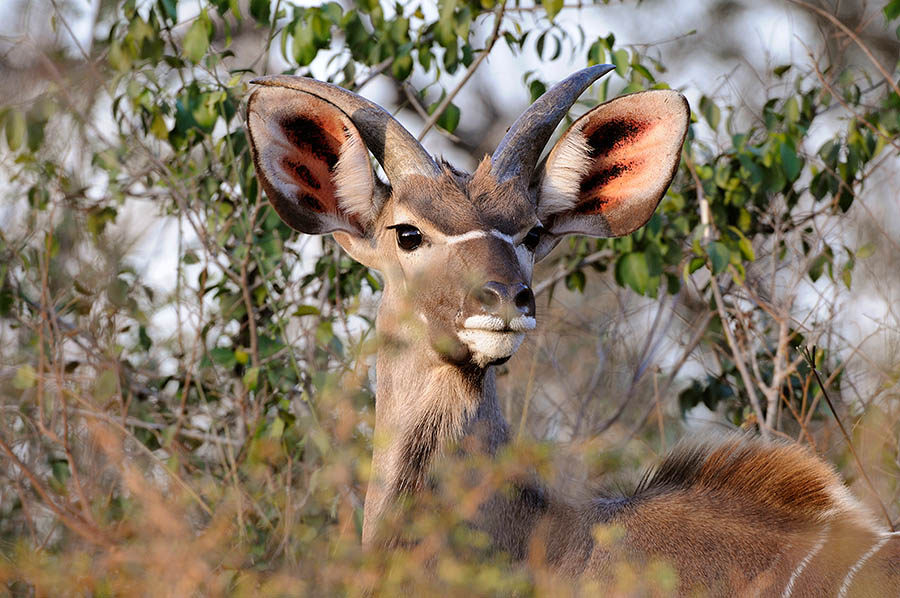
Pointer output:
787, 478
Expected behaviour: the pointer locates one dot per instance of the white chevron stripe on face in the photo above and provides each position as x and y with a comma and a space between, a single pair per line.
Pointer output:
472, 234
478, 234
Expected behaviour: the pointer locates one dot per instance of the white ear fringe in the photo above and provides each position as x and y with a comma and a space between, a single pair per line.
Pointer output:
569, 162
353, 179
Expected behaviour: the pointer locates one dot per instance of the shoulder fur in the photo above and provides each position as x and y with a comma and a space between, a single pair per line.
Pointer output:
778, 476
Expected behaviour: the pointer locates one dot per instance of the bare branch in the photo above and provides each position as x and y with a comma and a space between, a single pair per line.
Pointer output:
495, 34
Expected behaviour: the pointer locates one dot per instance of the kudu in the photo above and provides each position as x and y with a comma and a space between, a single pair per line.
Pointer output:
456, 251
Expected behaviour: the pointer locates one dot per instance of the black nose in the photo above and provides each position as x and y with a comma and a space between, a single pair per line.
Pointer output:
506, 300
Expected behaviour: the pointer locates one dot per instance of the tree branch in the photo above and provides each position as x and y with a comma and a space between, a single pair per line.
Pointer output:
495, 34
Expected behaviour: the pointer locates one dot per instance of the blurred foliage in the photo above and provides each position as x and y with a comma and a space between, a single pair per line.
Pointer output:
213, 439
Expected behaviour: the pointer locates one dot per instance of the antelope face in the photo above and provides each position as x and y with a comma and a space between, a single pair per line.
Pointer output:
459, 266
457, 250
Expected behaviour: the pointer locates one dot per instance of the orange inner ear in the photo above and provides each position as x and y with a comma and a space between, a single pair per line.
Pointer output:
316, 144
616, 154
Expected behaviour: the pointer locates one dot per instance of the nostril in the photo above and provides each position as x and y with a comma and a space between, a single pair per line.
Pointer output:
525, 299
489, 295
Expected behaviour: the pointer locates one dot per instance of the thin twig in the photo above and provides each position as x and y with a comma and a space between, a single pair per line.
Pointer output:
71, 520
639, 371
376, 70
836, 22
843, 103
495, 34
810, 361
145, 425
720, 305
736, 355
699, 329
563, 272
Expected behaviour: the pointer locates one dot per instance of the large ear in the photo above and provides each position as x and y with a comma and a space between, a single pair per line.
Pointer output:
312, 163
607, 173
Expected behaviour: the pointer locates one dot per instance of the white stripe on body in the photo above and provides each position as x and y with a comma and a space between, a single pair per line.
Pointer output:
842, 593
789, 588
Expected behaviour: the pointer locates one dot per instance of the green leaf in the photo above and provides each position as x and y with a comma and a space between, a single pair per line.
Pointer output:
710, 112
552, 7
817, 266
746, 249
158, 127
119, 57
307, 310
106, 385
847, 276
259, 10
536, 89
620, 59
778, 71
449, 119
117, 292
596, 53
425, 58
277, 429
170, 9
791, 162
402, 67
25, 377
695, 264
791, 110
35, 132
196, 40
15, 130
224, 356
144, 340
865, 251
98, 219
445, 30
632, 270
304, 47
251, 378
892, 10
575, 281
719, 256
61, 474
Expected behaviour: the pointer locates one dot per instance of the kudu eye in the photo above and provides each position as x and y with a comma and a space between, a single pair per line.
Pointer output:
408, 236
532, 238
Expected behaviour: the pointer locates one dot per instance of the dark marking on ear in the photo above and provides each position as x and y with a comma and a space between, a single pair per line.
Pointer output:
302, 173
613, 133
592, 206
313, 203
307, 177
602, 177
306, 132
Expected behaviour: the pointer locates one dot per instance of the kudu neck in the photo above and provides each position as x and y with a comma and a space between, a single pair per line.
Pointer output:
423, 406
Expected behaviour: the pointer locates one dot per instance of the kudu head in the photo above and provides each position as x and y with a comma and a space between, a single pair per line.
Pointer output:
457, 250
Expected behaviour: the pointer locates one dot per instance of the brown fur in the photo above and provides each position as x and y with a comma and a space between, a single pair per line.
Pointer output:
457, 203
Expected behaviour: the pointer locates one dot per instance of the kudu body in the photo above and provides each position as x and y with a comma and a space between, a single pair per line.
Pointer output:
456, 252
